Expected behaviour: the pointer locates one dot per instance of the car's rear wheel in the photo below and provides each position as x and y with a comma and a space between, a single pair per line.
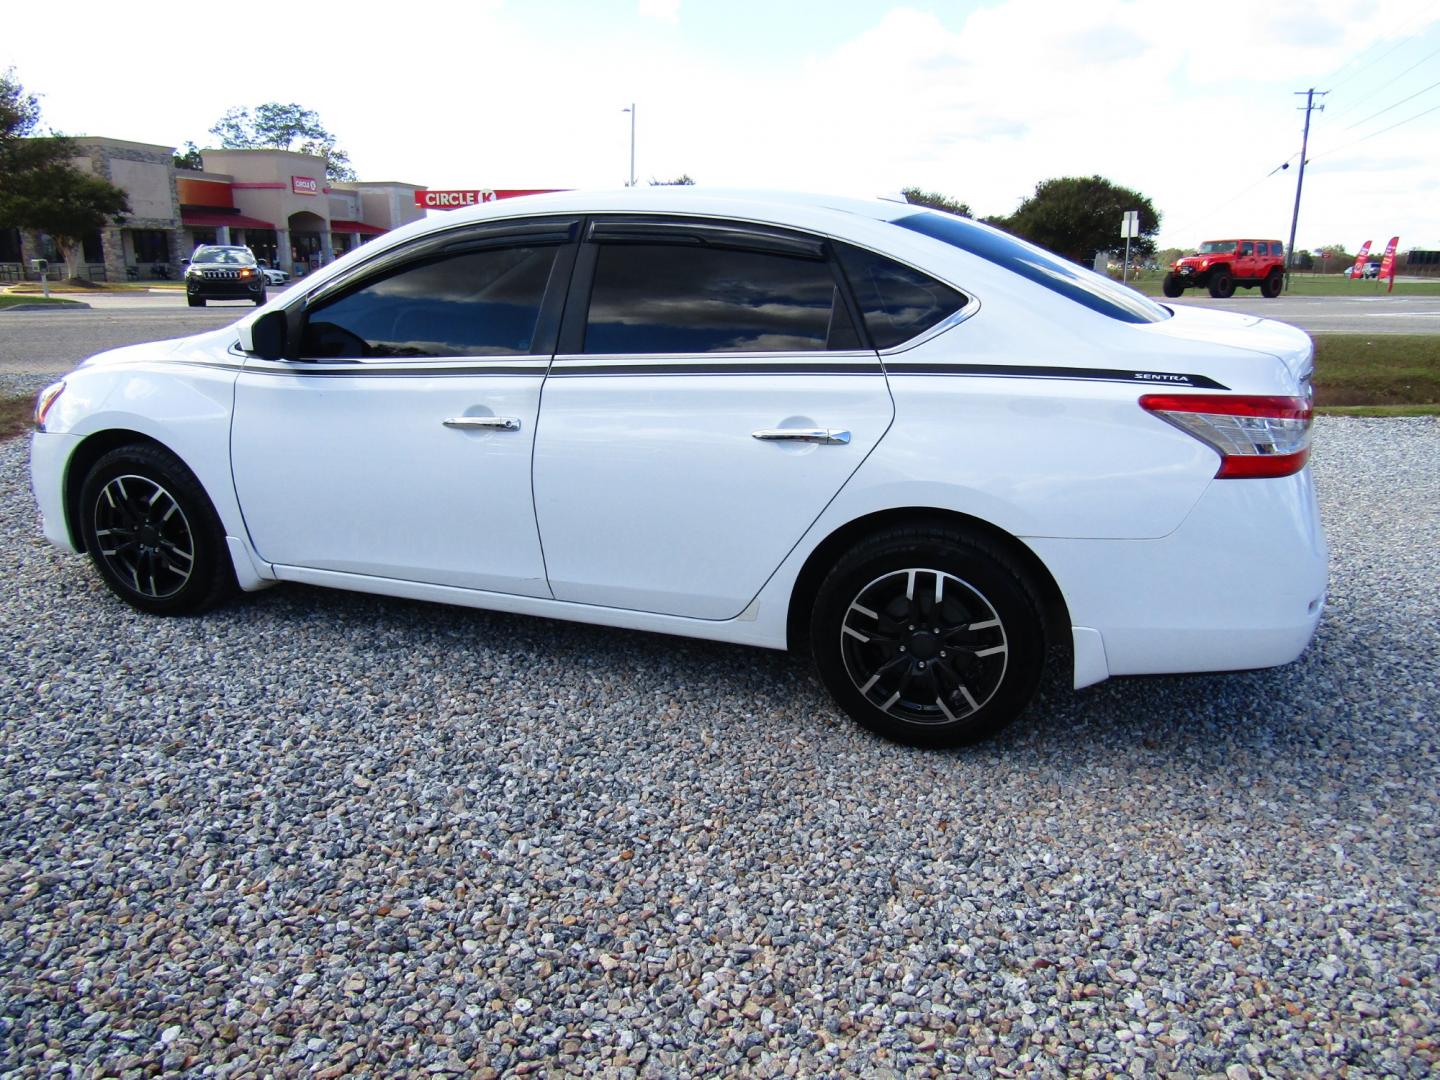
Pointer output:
152, 533
929, 636
1171, 286
1222, 284
195, 301
1273, 284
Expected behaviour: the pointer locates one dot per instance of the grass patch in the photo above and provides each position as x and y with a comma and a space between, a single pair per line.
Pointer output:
15, 413
1379, 410
9, 300
1379, 369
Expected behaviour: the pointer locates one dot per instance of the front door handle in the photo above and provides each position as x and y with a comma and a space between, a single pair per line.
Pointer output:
486, 423
824, 436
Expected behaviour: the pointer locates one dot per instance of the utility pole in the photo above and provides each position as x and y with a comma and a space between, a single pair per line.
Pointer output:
1310, 106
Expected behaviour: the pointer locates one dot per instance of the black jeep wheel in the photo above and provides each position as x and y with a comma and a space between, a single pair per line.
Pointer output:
195, 301
1172, 286
1273, 284
1222, 283
929, 636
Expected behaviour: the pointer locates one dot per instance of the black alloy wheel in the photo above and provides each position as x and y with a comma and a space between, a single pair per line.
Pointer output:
928, 636
152, 533
1222, 284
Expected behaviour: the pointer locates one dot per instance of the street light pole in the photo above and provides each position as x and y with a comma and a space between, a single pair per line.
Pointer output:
631, 111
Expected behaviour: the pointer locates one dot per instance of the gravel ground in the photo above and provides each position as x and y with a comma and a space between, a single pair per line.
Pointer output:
315, 833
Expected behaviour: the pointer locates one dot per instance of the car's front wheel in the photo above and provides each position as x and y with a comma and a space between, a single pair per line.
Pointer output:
929, 636
151, 532
1172, 286
195, 301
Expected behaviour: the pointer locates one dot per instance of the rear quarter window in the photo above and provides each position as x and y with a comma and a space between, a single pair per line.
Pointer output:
1050, 271
897, 302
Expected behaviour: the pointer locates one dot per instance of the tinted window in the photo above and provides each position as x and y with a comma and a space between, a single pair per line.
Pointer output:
1262, 248
478, 303
668, 298
896, 302
1276, 248
1247, 248
1085, 287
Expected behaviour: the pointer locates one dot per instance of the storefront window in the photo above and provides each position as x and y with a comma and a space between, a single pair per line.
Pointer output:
94, 252
151, 245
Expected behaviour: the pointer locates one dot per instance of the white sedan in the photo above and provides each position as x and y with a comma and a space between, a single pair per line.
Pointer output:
913, 446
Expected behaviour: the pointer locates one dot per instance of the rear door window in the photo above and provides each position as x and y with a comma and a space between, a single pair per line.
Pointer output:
677, 298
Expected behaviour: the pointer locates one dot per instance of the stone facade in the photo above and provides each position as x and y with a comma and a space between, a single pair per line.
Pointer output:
146, 172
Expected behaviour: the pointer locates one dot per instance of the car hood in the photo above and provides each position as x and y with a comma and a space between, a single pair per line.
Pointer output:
1288, 344
1195, 260
151, 352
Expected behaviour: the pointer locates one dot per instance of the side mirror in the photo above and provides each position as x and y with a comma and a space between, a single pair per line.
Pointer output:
265, 336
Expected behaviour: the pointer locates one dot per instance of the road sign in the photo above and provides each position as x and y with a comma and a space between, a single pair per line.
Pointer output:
1130, 224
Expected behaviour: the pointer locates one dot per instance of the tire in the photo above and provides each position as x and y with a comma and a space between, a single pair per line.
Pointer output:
260, 300
1272, 285
1171, 286
921, 672
1222, 284
170, 557
195, 301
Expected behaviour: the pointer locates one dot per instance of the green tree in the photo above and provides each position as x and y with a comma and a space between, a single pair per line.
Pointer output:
190, 159
1076, 216
283, 127
40, 187
683, 180
1166, 256
936, 201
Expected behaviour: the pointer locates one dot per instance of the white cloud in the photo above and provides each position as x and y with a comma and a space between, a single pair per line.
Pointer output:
665, 10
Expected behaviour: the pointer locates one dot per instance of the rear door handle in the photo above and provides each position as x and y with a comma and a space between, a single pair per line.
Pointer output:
824, 436
486, 423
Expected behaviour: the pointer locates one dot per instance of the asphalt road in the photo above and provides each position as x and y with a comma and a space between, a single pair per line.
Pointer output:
53, 342
1336, 314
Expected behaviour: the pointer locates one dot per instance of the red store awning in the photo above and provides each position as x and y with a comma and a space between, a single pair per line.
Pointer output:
213, 219
342, 225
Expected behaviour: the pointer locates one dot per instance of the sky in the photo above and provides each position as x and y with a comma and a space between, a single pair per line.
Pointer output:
1192, 105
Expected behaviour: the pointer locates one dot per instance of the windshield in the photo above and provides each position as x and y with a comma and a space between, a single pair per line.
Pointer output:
1217, 247
1073, 282
232, 256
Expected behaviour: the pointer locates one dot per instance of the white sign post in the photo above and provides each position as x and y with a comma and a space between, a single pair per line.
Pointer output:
1129, 226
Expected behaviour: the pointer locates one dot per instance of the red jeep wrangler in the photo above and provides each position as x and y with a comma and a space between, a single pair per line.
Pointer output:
1223, 264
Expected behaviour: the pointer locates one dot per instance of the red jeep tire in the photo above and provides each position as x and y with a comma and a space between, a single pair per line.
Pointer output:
1222, 283
1171, 286
1273, 284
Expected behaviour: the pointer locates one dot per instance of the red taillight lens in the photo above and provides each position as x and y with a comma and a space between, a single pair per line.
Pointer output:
1254, 436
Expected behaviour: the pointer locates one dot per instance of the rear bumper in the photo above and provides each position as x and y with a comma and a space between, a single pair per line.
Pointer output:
1240, 584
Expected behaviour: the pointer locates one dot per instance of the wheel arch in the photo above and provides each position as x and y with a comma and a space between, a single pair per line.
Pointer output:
91, 450
825, 554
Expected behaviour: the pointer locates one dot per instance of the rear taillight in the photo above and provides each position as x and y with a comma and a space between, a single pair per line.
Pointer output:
1254, 436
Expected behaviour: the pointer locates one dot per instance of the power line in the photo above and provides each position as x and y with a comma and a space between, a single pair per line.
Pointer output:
1387, 108
1382, 131
1405, 37
1389, 82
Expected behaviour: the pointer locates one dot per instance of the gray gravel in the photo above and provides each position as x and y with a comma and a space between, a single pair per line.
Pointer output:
316, 832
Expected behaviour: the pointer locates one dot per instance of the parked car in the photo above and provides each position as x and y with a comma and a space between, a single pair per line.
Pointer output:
273, 274
929, 454
223, 272
1368, 271
1223, 265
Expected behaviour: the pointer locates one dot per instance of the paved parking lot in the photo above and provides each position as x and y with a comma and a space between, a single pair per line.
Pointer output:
312, 831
